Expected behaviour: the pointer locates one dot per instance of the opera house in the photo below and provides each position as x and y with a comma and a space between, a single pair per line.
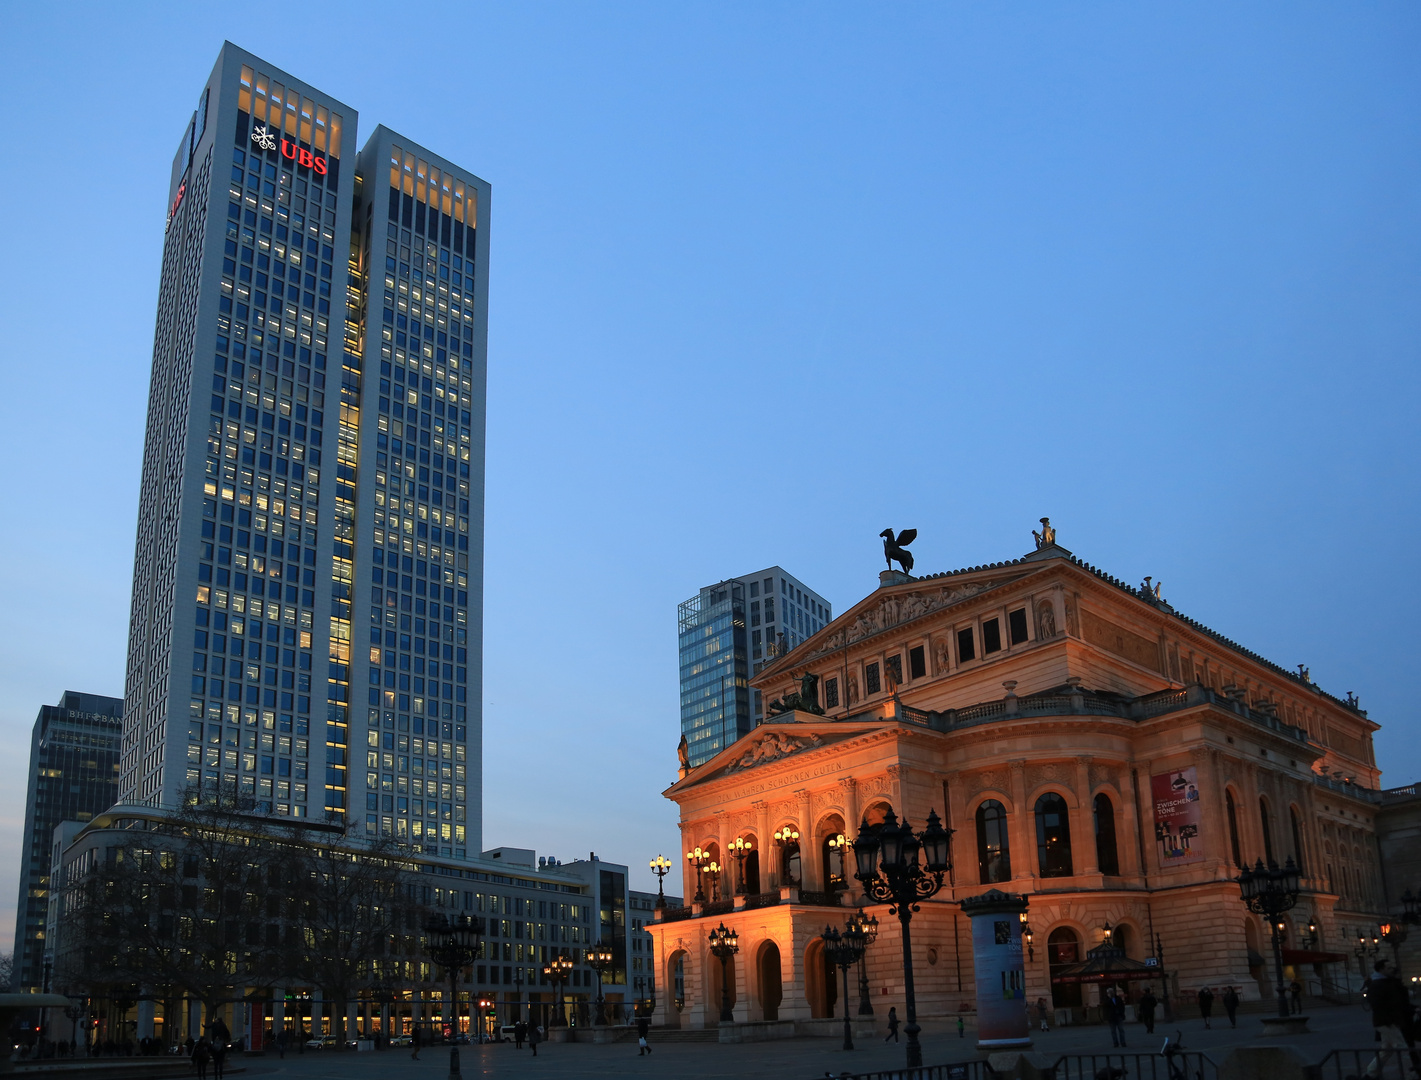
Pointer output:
1091, 748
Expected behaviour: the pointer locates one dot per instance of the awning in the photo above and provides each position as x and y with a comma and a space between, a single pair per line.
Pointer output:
1312, 956
1106, 964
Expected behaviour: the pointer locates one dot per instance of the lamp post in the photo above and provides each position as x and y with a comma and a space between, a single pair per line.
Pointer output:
845, 950
556, 971
867, 925
1270, 891
699, 859
1027, 937
660, 866
887, 857
1310, 938
724, 944
382, 993
518, 994
739, 848
838, 843
599, 959
1364, 950
785, 839
76, 1011
712, 870
453, 944
1394, 934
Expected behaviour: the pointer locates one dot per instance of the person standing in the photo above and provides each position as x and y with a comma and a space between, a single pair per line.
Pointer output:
535, 1036
1148, 1002
414, 1043
201, 1055
1043, 1014
1206, 1004
892, 1024
1391, 1012
643, 1029
1296, 989
520, 1032
1231, 1005
1115, 1015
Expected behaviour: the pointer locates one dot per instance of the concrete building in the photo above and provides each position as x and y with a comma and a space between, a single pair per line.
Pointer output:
725, 634
307, 600
73, 775
1092, 748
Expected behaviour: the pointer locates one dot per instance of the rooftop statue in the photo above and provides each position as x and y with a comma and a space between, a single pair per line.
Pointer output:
1047, 536
898, 549
805, 699
683, 752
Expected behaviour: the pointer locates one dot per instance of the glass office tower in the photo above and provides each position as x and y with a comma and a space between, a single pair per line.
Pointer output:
726, 633
257, 592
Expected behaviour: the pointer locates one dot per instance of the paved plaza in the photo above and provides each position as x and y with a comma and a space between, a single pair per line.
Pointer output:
796, 1059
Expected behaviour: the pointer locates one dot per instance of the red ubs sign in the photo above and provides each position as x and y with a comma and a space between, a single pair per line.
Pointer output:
303, 157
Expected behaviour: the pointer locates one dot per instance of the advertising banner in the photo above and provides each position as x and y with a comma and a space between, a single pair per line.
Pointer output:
1177, 816
1001, 983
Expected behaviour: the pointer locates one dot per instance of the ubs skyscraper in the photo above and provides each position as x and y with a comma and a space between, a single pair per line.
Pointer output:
306, 625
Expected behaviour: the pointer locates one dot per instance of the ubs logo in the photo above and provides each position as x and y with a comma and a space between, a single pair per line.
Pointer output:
264, 138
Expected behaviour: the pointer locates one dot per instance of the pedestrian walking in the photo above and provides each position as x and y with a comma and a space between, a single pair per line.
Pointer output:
1231, 1005
201, 1057
961, 1026
892, 1024
1206, 1004
1146, 1009
520, 1032
1296, 990
643, 1029
1043, 1013
1115, 1015
414, 1044
219, 1055
535, 1036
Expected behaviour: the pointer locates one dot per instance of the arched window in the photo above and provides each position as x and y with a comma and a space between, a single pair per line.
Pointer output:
1297, 838
1053, 836
1106, 856
993, 849
1233, 827
1267, 830
1063, 948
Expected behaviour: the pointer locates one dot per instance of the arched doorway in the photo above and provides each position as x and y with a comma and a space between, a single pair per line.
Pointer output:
834, 856
820, 989
751, 872
769, 979
674, 979
1063, 948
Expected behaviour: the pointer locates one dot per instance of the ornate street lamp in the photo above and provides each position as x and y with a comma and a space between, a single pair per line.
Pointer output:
739, 848
699, 859
1027, 937
724, 944
887, 857
838, 844
599, 959
1394, 934
867, 925
453, 944
786, 839
1270, 891
660, 866
556, 972
76, 1011
845, 950
1364, 950
712, 870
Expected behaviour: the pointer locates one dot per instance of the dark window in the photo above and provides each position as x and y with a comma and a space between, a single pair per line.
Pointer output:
1053, 836
991, 637
1016, 625
1063, 948
1233, 827
917, 662
993, 849
1267, 830
1106, 857
831, 693
870, 678
965, 649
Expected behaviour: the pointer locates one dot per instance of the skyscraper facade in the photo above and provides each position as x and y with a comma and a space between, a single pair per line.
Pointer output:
725, 634
307, 600
73, 775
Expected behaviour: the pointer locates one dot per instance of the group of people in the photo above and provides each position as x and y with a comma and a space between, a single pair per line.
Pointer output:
1230, 999
210, 1051
1394, 1016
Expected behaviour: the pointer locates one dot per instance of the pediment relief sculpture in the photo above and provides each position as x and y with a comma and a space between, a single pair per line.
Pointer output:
772, 747
901, 608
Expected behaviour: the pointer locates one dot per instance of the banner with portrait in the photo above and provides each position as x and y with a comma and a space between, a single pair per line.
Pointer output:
1177, 816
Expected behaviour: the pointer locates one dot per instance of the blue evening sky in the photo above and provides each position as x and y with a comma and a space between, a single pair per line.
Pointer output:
767, 279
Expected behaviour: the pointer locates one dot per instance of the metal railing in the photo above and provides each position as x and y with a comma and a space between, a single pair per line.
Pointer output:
1340, 1064
962, 1070
1182, 1065
764, 899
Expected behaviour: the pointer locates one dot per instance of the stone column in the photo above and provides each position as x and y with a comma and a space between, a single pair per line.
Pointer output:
1021, 825
898, 785
316, 1004
848, 788
278, 1011
1084, 822
808, 857
145, 1018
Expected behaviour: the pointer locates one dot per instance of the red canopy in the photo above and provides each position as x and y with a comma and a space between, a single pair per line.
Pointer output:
1312, 956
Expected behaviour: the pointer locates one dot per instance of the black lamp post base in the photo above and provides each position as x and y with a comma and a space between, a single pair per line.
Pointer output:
454, 1063
914, 1048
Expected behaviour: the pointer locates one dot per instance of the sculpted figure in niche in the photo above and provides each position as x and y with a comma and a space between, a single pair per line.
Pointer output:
853, 689
940, 654
1046, 619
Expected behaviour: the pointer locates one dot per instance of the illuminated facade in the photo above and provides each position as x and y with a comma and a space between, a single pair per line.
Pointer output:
305, 627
